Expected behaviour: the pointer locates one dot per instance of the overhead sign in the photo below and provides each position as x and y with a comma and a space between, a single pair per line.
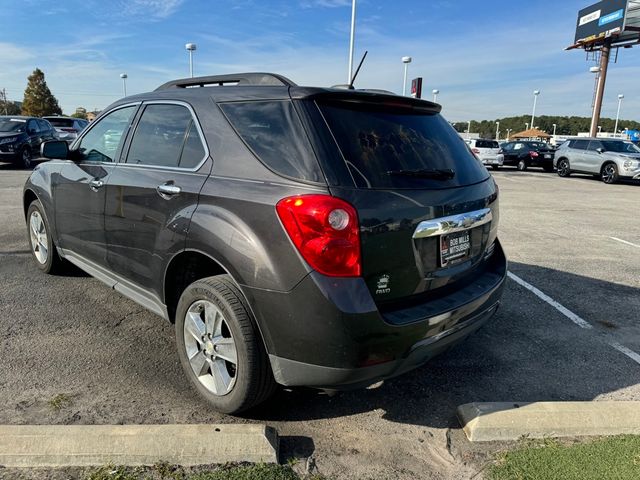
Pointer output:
601, 20
416, 87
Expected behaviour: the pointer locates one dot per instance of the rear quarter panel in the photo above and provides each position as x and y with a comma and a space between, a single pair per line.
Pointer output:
42, 182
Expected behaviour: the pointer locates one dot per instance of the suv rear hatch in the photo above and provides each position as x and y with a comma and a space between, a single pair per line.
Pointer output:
427, 207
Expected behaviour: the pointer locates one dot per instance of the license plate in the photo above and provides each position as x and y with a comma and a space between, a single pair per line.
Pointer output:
454, 248
547, 156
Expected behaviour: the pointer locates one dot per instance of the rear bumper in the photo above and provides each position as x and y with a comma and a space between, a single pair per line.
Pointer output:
497, 160
328, 333
8, 156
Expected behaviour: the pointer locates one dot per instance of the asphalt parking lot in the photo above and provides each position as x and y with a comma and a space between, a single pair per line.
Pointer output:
576, 240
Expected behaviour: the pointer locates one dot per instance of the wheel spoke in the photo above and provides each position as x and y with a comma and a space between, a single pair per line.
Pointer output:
194, 326
199, 363
34, 223
225, 349
221, 378
213, 320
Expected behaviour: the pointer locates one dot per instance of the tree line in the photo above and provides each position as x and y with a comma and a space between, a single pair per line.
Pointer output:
565, 126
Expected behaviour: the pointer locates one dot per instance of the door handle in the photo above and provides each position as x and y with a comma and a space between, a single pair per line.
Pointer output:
168, 190
96, 185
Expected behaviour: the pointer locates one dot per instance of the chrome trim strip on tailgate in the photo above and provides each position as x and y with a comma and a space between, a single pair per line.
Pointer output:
453, 224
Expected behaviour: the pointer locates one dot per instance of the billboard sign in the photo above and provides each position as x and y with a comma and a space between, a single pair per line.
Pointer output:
601, 20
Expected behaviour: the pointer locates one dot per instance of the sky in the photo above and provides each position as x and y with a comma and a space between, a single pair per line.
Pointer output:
486, 58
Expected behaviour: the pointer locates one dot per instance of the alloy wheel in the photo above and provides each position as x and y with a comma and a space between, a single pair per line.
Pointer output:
609, 173
563, 168
26, 158
38, 235
210, 347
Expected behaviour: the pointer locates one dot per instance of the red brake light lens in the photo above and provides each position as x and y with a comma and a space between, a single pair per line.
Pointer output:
325, 231
476, 151
534, 154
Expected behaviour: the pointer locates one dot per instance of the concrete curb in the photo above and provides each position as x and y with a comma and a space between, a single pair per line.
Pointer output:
485, 422
35, 446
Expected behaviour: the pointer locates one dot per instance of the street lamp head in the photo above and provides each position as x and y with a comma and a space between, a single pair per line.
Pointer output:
536, 92
406, 59
620, 97
435, 91
123, 76
594, 69
191, 47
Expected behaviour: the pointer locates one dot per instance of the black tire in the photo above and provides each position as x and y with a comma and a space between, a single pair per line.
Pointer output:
495, 167
25, 158
53, 263
548, 168
564, 168
609, 173
522, 165
252, 379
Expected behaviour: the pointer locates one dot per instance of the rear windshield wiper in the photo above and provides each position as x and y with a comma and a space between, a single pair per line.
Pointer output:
439, 174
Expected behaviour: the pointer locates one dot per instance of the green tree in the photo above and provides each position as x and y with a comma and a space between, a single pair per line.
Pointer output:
38, 99
7, 107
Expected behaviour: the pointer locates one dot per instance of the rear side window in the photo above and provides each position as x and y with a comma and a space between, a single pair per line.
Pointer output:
166, 136
579, 144
274, 133
376, 140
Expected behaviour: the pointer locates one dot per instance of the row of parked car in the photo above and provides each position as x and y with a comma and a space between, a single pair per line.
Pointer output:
21, 137
610, 160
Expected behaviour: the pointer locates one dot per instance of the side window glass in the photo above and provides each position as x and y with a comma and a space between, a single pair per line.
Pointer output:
44, 125
32, 127
518, 146
581, 144
102, 142
193, 151
594, 145
161, 136
508, 147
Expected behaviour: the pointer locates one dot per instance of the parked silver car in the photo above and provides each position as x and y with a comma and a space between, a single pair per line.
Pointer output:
608, 159
67, 128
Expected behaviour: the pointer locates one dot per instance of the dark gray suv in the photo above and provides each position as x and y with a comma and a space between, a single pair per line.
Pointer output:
296, 236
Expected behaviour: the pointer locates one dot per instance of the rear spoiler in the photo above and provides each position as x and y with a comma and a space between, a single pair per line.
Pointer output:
365, 98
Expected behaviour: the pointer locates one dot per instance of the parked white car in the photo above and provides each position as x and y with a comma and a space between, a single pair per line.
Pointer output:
487, 151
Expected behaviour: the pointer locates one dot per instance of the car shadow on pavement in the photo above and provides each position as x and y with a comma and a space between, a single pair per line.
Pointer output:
529, 352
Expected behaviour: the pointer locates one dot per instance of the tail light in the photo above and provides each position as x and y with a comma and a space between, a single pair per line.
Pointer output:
534, 154
325, 231
476, 151
500, 151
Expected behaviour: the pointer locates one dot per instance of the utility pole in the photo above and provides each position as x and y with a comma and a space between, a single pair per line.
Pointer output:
352, 40
597, 107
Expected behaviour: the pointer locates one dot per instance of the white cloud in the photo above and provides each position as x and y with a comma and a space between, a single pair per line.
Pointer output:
325, 3
153, 8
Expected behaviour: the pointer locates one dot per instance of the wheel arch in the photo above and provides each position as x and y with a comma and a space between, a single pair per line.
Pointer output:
191, 265
28, 197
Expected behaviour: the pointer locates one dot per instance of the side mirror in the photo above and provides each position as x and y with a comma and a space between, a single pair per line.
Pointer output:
55, 149
600, 150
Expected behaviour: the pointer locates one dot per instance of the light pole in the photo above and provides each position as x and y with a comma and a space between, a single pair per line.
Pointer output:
191, 47
535, 102
620, 98
435, 92
497, 131
406, 61
508, 134
352, 42
527, 126
599, 129
555, 126
469, 131
124, 77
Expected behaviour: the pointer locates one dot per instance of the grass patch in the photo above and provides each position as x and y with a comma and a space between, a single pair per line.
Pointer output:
614, 457
164, 471
59, 402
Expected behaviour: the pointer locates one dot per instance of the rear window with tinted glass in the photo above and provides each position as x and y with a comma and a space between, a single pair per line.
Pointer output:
61, 122
274, 133
377, 142
487, 144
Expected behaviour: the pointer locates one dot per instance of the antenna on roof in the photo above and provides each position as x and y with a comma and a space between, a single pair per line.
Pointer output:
353, 79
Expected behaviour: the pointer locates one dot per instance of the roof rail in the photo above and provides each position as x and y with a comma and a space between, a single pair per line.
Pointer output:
240, 79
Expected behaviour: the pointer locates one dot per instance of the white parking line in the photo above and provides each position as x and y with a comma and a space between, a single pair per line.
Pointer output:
625, 242
562, 309
572, 316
